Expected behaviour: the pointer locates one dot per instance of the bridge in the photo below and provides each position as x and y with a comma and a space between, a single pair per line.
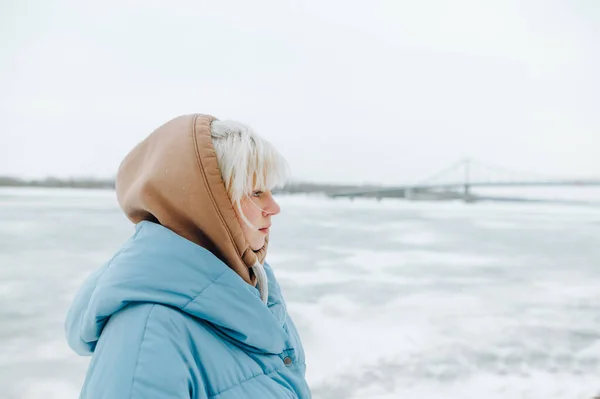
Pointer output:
456, 182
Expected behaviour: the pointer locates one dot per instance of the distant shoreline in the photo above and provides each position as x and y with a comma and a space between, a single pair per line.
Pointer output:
291, 188
57, 183
326, 189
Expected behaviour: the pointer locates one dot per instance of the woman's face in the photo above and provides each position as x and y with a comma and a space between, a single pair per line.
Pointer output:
258, 208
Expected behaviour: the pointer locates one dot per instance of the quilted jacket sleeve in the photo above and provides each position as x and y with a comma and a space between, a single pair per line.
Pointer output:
142, 354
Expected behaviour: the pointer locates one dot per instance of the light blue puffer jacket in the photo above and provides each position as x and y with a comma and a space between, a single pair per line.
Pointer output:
167, 319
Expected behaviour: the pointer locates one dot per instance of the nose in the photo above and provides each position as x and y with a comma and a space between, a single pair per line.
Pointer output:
272, 207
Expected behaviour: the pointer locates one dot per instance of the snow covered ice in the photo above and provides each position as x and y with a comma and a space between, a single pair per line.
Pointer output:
433, 300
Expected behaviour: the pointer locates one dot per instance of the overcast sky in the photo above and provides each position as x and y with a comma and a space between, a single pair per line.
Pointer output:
383, 91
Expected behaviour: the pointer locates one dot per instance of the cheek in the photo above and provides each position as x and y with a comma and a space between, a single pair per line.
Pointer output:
251, 212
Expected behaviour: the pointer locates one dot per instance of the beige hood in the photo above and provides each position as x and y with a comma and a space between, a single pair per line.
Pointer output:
173, 178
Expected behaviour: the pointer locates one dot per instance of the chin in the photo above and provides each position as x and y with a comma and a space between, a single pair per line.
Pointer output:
257, 245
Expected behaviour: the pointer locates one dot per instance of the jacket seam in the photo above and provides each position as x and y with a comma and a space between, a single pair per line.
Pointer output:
193, 298
203, 289
239, 383
120, 251
137, 362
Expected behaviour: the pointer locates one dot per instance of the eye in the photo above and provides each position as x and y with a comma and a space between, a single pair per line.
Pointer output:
257, 193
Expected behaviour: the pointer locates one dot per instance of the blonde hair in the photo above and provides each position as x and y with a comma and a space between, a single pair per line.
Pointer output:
247, 161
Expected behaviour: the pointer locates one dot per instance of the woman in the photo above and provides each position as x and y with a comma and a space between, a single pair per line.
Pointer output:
187, 308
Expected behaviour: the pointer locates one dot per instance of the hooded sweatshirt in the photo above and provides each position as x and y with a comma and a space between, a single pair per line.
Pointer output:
176, 312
